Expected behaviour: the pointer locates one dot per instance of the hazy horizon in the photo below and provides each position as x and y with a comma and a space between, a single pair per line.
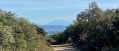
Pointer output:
38, 11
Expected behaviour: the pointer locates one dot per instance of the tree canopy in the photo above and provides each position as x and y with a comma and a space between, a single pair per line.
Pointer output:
93, 30
18, 34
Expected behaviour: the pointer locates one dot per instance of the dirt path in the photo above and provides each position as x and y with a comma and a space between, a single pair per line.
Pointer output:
63, 48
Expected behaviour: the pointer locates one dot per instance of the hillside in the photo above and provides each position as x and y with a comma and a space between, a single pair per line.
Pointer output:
59, 22
55, 26
53, 29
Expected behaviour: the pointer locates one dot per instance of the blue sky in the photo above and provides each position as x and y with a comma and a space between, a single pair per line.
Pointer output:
44, 11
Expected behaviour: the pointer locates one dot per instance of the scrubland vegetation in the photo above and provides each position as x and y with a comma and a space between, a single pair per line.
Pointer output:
93, 30
18, 34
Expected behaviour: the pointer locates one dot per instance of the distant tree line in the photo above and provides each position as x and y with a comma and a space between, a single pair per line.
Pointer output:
18, 34
93, 30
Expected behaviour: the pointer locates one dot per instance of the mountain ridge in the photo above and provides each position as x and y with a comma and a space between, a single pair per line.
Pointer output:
55, 26
53, 29
59, 22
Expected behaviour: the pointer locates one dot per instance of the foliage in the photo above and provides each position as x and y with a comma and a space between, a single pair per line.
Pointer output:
18, 34
93, 30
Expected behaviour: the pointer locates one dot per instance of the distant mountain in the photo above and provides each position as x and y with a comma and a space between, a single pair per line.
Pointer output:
59, 22
55, 26
53, 29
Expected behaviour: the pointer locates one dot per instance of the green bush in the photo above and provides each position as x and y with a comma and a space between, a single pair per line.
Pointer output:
93, 30
18, 34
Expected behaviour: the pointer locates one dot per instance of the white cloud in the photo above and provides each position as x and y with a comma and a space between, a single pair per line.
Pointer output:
39, 5
43, 8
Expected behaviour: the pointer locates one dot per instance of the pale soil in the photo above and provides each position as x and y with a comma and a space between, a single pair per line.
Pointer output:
63, 48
